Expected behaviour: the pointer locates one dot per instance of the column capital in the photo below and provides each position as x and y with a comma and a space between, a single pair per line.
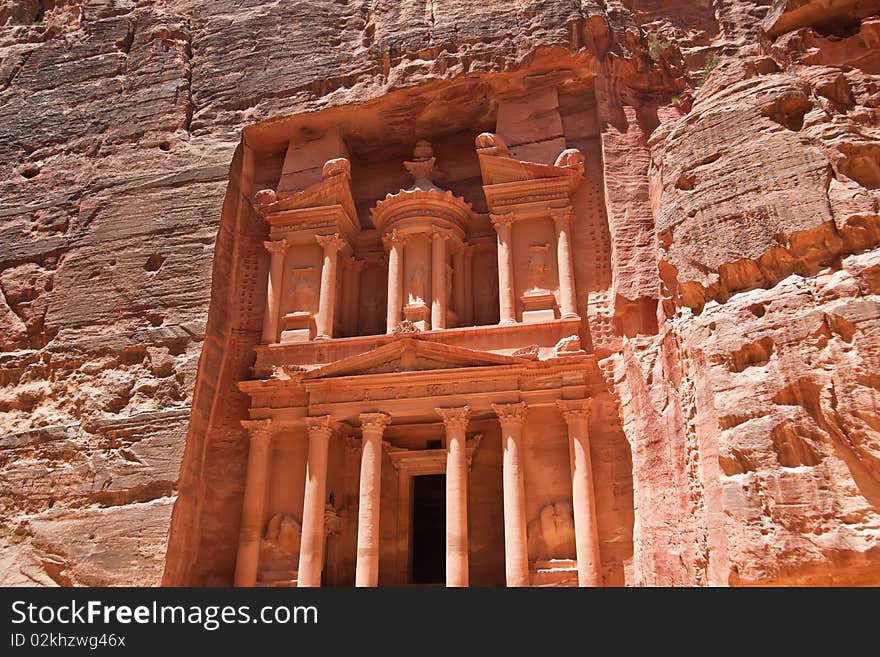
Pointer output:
374, 421
455, 418
276, 246
320, 426
574, 409
562, 215
259, 430
510, 413
394, 238
333, 241
500, 221
440, 233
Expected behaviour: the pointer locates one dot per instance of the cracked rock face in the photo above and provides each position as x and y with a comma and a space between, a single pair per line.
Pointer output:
741, 154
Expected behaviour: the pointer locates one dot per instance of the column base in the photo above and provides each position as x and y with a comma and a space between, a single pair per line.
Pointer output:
570, 316
507, 322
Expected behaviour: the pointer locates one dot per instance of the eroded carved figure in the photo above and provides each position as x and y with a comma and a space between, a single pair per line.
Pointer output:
279, 549
537, 266
303, 296
551, 534
417, 286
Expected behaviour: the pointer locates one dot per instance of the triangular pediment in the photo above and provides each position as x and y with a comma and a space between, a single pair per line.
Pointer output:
411, 355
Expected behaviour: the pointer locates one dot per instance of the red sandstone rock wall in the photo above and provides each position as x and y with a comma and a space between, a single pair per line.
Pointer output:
739, 333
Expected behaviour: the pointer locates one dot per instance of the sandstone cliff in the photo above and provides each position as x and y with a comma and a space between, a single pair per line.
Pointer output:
741, 151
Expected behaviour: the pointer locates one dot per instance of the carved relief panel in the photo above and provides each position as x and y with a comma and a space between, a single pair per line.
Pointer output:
417, 281
536, 277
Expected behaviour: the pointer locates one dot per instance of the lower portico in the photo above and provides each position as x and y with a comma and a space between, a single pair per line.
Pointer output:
413, 408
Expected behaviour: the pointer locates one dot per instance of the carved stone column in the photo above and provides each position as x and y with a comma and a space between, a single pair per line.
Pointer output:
277, 249
458, 274
456, 421
394, 242
567, 299
504, 227
586, 532
327, 303
311, 552
438, 280
254, 505
468, 286
516, 555
369, 531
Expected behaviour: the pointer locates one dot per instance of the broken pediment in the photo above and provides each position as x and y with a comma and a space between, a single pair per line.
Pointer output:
499, 167
329, 199
408, 354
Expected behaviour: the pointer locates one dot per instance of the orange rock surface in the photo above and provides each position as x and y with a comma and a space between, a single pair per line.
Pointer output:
720, 316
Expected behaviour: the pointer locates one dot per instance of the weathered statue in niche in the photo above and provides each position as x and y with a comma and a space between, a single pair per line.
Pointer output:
303, 296
537, 267
418, 284
450, 302
279, 550
551, 534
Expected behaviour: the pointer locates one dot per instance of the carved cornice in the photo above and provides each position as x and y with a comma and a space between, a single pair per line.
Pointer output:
574, 410
455, 419
374, 422
333, 241
277, 246
510, 414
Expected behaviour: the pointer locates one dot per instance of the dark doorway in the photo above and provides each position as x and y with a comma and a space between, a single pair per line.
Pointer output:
429, 529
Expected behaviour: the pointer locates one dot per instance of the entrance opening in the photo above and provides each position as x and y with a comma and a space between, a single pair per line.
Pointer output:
429, 529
